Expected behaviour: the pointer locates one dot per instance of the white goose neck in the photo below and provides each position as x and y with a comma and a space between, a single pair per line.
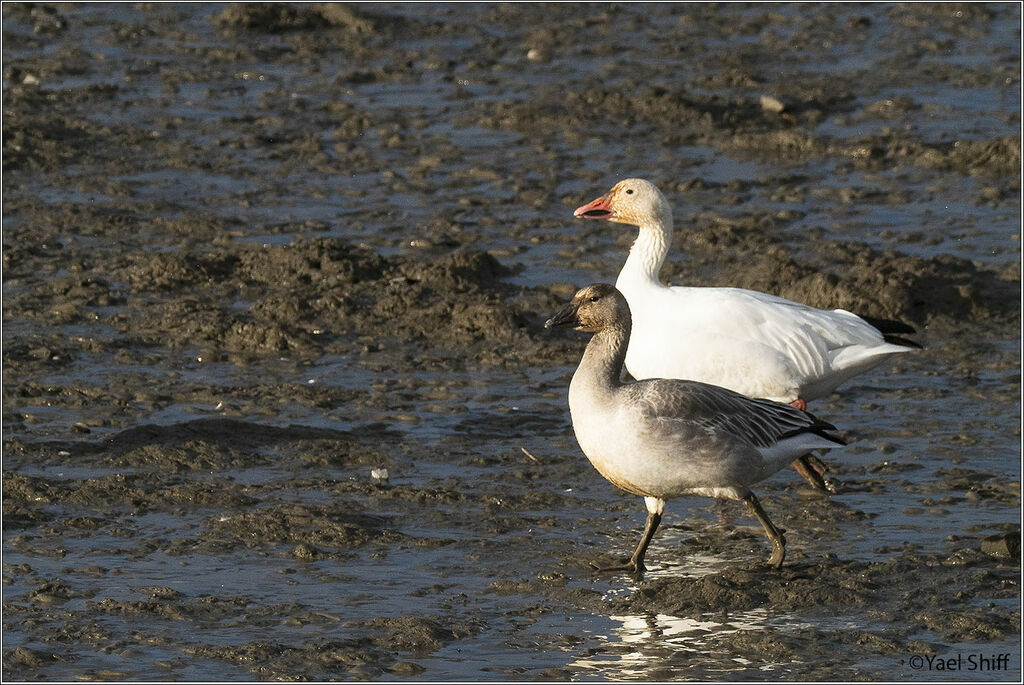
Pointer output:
649, 251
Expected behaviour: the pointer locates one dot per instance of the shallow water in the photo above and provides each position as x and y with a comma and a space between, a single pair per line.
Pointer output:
189, 444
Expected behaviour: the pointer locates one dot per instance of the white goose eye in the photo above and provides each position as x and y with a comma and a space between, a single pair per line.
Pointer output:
629, 191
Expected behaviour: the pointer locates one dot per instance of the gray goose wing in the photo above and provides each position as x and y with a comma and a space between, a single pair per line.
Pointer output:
757, 422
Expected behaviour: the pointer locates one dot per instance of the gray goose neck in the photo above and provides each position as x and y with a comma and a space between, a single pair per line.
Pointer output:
605, 355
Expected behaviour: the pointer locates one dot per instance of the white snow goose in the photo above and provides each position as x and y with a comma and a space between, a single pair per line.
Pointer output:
665, 438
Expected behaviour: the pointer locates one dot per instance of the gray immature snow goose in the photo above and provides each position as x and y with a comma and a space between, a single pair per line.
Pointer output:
751, 342
665, 438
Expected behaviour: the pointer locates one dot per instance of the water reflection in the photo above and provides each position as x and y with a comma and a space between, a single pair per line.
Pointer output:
660, 646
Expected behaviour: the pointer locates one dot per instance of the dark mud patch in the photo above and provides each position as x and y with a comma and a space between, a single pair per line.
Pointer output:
315, 531
310, 298
277, 18
210, 445
417, 635
28, 661
887, 285
840, 586
748, 253
176, 471
358, 659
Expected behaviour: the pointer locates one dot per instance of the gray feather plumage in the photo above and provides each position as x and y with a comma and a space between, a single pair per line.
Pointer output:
757, 422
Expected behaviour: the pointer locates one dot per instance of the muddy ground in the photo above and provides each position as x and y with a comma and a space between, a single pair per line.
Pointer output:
257, 257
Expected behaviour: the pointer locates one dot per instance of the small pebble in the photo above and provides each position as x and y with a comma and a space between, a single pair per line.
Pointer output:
538, 55
770, 104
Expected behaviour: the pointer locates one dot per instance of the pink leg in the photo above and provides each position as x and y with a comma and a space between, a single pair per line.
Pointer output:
809, 466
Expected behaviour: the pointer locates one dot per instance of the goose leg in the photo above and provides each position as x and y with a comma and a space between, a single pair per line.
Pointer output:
778, 541
813, 470
636, 562
651, 525
809, 466
655, 507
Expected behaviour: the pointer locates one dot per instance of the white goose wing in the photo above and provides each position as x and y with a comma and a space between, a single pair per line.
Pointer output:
822, 347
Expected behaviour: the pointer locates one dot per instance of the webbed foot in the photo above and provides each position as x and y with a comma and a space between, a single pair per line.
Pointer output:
634, 569
778, 553
813, 470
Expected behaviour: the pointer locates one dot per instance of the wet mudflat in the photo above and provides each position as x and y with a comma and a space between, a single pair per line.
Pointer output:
256, 256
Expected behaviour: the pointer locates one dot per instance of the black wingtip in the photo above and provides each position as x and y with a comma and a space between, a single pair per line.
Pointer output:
822, 428
829, 436
905, 342
892, 331
890, 325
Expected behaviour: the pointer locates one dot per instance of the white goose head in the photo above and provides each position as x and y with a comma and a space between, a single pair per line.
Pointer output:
633, 201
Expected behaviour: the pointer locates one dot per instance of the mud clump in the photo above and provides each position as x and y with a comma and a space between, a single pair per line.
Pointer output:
372, 653
331, 530
278, 18
795, 587
999, 157
26, 658
1003, 545
214, 444
203, 608
308, 298
886, 285
357, 658
855, 277
416, 635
